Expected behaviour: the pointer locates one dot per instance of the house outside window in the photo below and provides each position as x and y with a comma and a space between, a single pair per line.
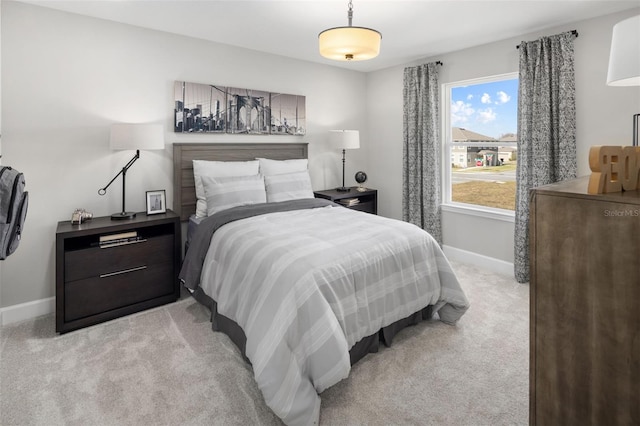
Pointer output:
480, 139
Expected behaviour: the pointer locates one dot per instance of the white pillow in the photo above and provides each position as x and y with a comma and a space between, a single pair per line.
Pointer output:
288, 186
279, 167
218, 169
225, 192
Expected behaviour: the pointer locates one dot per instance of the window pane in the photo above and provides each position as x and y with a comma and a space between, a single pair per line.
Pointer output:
486, 176
483, 119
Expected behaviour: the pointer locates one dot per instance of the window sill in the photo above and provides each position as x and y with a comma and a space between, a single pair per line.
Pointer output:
484, 212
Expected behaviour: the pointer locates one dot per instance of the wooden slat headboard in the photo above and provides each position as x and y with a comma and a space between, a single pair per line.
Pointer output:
184, 190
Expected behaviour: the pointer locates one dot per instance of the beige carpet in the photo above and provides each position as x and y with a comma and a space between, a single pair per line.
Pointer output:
166, 367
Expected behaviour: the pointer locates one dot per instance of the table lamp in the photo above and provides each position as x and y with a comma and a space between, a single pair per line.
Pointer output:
624, 59
125, 136
344, 139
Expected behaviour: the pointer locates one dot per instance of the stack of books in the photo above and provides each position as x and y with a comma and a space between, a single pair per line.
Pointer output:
118, 239
349, 201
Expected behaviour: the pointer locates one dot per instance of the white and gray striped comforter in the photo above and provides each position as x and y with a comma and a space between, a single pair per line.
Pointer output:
306, 285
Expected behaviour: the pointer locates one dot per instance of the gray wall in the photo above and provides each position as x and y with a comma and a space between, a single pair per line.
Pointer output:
604, 117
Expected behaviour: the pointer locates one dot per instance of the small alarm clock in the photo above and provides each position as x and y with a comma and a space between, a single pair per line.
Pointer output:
361, 177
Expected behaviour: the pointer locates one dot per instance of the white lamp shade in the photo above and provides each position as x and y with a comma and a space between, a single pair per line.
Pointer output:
624, 58
136, 136
345, 139
349, 43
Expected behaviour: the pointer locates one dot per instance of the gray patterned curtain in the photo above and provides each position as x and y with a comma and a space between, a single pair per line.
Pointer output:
546, 128
421, 149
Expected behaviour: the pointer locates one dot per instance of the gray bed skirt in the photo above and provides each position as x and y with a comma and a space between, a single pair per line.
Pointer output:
369, 344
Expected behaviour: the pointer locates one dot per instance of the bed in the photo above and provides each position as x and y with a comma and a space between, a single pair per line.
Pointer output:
304, 287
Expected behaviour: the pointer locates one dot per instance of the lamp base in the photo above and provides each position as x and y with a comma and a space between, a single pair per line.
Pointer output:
343, 189
123, 215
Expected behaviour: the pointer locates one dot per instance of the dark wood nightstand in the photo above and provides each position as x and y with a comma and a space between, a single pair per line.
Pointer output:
96, 281
367, 201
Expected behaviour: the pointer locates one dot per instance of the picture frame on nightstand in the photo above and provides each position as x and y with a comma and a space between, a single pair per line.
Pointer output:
156, 202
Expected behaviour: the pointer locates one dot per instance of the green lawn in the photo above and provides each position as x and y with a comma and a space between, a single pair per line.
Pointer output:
485, 193
506, 168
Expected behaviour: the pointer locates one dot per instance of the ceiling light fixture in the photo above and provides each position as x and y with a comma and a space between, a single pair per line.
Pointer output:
349, 43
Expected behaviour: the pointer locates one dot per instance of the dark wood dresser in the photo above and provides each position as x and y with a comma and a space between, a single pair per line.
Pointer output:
585, 306
136, 267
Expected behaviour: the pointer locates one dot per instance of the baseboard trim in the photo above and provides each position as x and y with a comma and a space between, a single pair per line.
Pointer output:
495, 265
28, 310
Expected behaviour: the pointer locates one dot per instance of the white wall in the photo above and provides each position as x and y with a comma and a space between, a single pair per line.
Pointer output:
603, 116
66, 78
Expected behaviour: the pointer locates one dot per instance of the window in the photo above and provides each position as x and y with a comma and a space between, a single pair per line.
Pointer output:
480, 134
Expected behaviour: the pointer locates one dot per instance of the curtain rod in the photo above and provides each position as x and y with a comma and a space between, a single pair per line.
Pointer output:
574, 32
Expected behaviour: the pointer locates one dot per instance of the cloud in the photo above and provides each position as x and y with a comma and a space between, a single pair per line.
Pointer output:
486, 98
486, 116
469, 96
460, 112
503, 98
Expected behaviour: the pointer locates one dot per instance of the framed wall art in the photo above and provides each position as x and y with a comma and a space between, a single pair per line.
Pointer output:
208, 108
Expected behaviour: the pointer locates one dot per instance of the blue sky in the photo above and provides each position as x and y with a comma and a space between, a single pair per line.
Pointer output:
490, 109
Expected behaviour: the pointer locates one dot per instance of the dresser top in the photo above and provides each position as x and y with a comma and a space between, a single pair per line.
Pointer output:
577, 188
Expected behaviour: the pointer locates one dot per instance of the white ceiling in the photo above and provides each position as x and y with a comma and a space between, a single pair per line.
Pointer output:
410, 29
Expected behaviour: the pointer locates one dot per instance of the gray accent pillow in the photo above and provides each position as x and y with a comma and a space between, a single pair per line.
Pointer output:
288, 186
278, 167
218, 169
226, 192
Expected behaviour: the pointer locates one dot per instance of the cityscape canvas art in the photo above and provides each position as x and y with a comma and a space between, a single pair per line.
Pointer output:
209, 108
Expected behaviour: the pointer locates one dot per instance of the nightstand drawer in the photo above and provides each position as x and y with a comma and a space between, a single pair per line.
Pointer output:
95, 261
117, 289
368, 207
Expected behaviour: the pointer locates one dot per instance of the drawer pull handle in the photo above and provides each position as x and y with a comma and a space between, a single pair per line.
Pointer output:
125, 271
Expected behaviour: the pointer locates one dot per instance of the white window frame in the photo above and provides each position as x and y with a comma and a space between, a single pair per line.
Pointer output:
447, 204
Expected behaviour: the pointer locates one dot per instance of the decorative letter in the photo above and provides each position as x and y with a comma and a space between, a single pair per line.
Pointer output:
631, 166
614, 169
